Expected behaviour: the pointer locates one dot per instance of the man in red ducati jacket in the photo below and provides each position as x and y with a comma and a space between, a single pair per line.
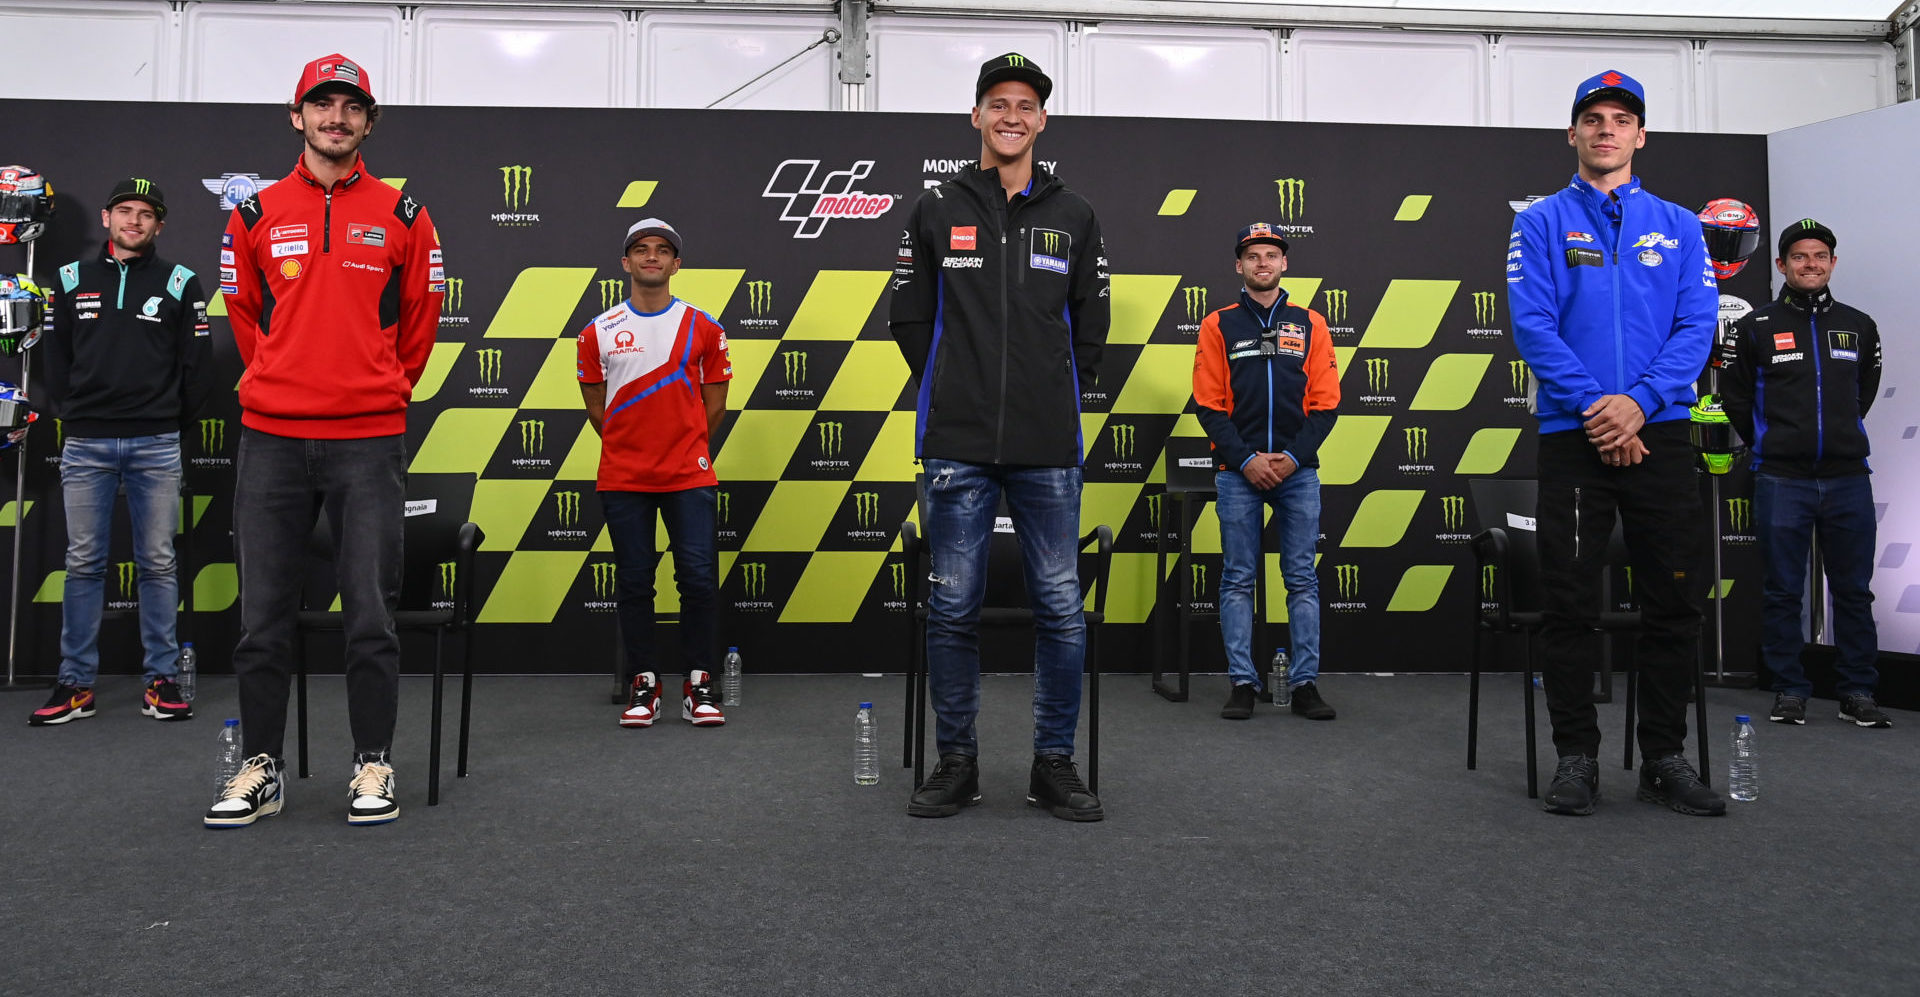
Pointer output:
333, 283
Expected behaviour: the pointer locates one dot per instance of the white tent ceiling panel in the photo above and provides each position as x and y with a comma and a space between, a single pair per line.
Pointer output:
1393, 78
557, 59
1177, 72
1763, 87
1537, 76
240, 52
125, 44
929, 64
694, 60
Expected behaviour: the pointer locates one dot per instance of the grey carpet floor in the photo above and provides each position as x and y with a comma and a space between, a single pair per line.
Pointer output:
1270, 856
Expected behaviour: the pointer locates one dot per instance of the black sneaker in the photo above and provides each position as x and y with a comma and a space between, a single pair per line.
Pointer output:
1788, 710
254, 792
1671, 782
1239, 704
1055, 786
1575, 788
370, 796
67, 703
1859, 709
955, 783
1307, 702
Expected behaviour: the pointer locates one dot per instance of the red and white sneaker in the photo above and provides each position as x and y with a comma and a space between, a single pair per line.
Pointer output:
643, 704
700, 705
66, 703
164, 701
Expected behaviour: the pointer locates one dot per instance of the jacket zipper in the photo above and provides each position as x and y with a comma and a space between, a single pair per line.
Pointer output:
1576, 524
120, 299
1819, 401
326, 228
1000, 414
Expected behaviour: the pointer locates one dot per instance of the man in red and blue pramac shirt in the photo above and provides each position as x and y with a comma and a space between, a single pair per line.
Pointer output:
653, 373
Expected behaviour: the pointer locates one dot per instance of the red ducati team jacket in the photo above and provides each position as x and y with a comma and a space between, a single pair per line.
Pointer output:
334, 296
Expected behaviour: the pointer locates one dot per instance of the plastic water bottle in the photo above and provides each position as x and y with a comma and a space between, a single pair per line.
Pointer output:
189, 670
1743, 771
730, 678
1277, 676
227, 760
866, 748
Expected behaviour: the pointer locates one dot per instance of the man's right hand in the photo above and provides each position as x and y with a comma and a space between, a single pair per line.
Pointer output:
1263, 472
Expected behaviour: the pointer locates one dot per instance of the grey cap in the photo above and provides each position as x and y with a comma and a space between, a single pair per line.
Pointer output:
651, 226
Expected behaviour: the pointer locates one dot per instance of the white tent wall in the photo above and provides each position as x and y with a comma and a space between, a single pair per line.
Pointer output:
1853, 174
1216, 61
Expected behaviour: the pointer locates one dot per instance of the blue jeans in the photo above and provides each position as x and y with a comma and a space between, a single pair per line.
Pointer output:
92, 470
1296, 514
1788, 513
689, 515
1044, 503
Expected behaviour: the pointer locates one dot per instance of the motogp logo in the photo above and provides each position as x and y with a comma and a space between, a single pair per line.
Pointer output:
812, 203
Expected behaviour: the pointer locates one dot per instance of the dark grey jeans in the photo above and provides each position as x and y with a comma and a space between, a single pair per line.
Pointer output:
282, 485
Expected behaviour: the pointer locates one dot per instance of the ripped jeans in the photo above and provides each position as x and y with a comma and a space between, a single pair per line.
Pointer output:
1044, 504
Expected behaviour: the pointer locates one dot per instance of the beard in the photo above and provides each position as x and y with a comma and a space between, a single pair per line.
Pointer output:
1257, 284
126, 245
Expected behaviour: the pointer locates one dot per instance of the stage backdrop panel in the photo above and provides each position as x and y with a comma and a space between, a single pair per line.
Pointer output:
790, 220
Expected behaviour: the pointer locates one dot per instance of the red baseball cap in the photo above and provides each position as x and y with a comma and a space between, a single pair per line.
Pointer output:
335, 69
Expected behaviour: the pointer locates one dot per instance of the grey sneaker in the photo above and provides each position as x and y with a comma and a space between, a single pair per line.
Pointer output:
1861, 711
1788, 710
1673, 783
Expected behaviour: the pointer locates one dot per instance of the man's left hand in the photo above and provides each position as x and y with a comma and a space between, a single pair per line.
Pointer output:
1612, 419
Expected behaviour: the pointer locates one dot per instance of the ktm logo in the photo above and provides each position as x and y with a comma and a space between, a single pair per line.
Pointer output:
1196, 299
489, 360
832, 437
456, 289
1377, 375
1123, 438
866, 508
759, 296
1739, 514
1293, 197
1453, 511
533, 436
1517, 374
613, 290
1199, 581
795, 362
516, 186
606, 576
126, 574
1483, 303
1347, 577
213, 435
753, 579
566, 508
1336, 301
1416, 442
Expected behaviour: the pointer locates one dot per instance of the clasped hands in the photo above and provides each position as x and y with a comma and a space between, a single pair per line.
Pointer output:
1613, 426
1267, 470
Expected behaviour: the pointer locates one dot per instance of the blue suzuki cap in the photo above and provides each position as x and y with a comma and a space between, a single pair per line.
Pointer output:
1611, 85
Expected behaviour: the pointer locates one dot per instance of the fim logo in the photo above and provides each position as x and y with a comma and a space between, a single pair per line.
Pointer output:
1195, 299
488, 359
451, 302
1335, 301
753, 586
516, 192
613, 290
1293, 197
606, 579
1740, 519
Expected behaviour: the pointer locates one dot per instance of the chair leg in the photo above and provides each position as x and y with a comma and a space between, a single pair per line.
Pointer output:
300, 685
433, 731
1093, 719
466, 699
1633, 707
1473, 702
1700, 719
906, 708
1533, 761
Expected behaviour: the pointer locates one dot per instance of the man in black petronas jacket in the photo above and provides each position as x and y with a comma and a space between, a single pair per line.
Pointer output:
1000, 306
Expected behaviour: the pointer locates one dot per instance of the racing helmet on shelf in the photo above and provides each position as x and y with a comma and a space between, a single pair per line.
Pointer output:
1732, 230
26, 203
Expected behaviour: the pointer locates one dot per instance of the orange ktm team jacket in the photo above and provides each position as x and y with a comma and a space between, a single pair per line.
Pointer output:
334, 296
1265, 381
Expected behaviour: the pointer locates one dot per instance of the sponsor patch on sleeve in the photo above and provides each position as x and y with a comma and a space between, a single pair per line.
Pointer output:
1783, 340
433, 255
279, 232
226, 240
366, 235
297, 247
1585, 257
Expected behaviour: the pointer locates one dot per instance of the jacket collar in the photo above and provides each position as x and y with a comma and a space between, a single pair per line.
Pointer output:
1820, 301
106, 254
359, 170
1264, 313
1589, 191
988, 179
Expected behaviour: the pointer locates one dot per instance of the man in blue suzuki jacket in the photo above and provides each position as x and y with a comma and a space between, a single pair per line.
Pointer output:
1614, 310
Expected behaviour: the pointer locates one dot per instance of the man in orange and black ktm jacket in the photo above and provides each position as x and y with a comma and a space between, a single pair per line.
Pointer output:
1266, 387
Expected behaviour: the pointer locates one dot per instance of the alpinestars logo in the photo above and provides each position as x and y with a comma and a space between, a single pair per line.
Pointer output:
1519, 378
1346, 580
1336, 302
866, 516
606, 586
753, 588
533, 442
1195, 299
793, 366
488, 359
566, 513
1485, 313
832, 437
452, 301
1416, 440
1453, 519
1293, 205
613, 290
1739, 521
759, 303
1125, 437
812, 203
213, 442
1379, 377
516, 192
443, 596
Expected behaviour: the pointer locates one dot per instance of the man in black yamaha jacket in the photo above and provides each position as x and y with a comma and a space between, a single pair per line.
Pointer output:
1804, 371
1000, 306
128, 361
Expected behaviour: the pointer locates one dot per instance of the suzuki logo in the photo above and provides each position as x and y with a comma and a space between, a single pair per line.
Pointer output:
1293, 197
456, 287
1377, 375
723, 500
1483, 307
1416, 442
759, 296
449, 576
1347, 577
1196, 302
1122, 441
1488, 574
753, 579
489, 360
1199, 581
533, 436
126, 575
566, 508
1336, 305
613, 290
1517, 374
831, 437
796, 366
866, 508
897, 571
1453, 511
1739, 515
213, 435
516, 186
606, 575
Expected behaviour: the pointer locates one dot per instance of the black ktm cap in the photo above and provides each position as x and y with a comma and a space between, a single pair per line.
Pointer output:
1012, 66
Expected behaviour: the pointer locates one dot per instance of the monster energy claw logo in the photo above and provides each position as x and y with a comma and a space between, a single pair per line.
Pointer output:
1155, 505
866, 508
1483, 307
605, 575
1453, 510
721, 501
1336, 305
213, 435
124, 569
1416, 442
753, 579
897, 571
759, 296
1199, 581
1122, 441
1196, 298
1050, 243
832, 437
1488, 573
449, 576
142, 187
1347, 576
566, 508
533, 436
489, 359
1517, 373
1293, 197
450, 302
613, 290
1016, 61
516, 186
1377, 375
796, 366
1739, 514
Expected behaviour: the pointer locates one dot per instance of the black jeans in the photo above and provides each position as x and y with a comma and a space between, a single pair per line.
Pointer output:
281, 486
1658, 501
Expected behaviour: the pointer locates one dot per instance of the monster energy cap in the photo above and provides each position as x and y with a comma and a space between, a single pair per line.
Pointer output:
651, 226
1806, 228
1012, 66
136, 189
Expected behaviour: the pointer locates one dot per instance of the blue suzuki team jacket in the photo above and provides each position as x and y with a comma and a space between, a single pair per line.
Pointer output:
1610, 297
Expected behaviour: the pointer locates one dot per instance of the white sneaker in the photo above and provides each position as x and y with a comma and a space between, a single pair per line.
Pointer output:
254, 792
371, 794
643, 705
699, 704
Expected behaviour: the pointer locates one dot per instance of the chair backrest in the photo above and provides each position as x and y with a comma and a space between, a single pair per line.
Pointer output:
437, 506
1189, 464
1509, 505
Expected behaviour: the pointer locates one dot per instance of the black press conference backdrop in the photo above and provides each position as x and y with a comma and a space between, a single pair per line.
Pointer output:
790, 220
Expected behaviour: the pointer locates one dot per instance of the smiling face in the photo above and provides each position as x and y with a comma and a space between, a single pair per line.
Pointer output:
650, 261
1605, 136
1261, 266
1009, 118
333, 123
1808, 265
132, 226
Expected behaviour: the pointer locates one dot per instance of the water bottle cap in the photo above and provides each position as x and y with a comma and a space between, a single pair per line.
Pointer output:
1742, 718
866, 706
232, 722
733, 650
186, 643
